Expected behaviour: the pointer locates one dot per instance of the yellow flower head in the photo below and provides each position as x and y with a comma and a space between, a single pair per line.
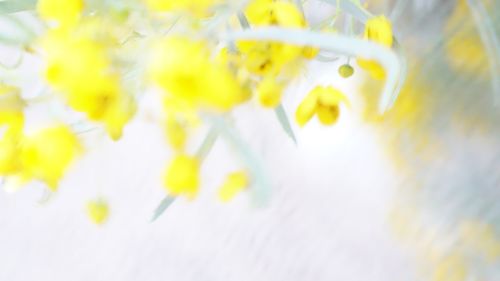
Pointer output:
322, 101
10, 148
98, 211
176, 133
198, 8
47, 154
269, 92
233, 185
269, 58
182, 176
64, 12
79, 68
379, 30
185, 70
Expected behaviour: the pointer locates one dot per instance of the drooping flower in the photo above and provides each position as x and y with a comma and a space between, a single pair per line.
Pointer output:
233, 185
182, 176
184, 69
379, 30
322, 101
98, 211
47, 154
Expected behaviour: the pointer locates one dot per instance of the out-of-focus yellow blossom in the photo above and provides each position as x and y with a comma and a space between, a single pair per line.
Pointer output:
450, 268
98, 211
176, 134
346, 70
310, 52
269, 92
322, 101
79, 68
184, 69
233, 185
268, 58
480, 238
64, 12
379, 30
11, 106
10, 148
196, 7
47, 154
182, 176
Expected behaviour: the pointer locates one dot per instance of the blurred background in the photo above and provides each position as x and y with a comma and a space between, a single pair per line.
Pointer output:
409, 195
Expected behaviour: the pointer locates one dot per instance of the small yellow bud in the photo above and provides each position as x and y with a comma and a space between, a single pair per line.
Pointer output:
182, 176
346, 71
98, 211
234, 184
269, 92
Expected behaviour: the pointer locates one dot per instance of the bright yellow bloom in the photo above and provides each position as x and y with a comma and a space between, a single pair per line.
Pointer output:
185, 70
47, 154
196, 7
98, 211
182, 176
233, 185
11, 106
269, 92
379, 30
322, 101
10, 147
269, 58
79, 68
64, 12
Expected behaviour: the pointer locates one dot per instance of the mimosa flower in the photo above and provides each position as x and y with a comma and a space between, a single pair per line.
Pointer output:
196, 7
184, 69
182, 176
79, 68
322, 101
233, 185
98, 211
379, 30
176, 134
269, 92
47, 154
10, 149
64, 12
268, 58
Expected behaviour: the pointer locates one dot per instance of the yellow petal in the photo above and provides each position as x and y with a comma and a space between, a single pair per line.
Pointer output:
327, 115
305, 111
269, 92
330, 96
176, 134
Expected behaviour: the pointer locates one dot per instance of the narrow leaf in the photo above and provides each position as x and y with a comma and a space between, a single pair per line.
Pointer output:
164, 204
285, 122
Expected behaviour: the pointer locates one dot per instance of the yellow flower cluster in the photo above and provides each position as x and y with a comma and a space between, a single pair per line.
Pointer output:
379, 30
79, 68
195, 7
323, 102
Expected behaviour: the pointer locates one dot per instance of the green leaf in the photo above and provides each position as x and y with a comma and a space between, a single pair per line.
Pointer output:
285, 122
14, 6
164, 204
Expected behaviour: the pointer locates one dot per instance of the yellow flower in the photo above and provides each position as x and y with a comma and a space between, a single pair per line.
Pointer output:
47, 154
98, 211
64, 12
196, 7
79, 68
269, 92
185, 70
10, 148
182, 176
234, 184
11, 106
269, 58
379, 30
322, 101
